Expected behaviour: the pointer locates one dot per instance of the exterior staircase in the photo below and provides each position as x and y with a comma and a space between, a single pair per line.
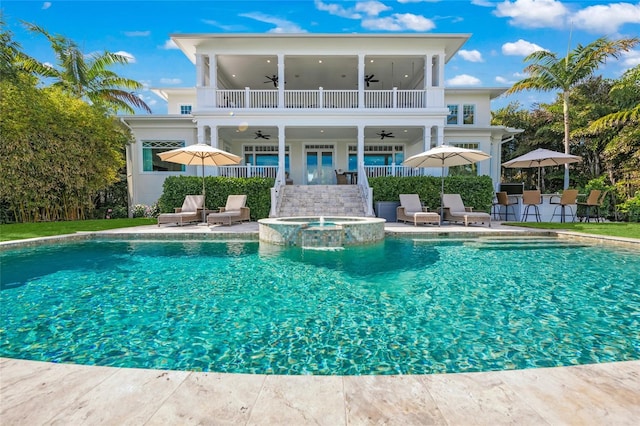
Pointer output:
321, 200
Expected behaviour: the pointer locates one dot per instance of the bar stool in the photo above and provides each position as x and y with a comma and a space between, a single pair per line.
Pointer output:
569, 197
531, 199
593, 200
495, 208
503, 200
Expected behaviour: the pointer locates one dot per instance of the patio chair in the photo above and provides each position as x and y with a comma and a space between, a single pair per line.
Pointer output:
593, 200
530, 199
505, 201
454, 210
191, 211
411, 210
341, 178
233, 212
568, 199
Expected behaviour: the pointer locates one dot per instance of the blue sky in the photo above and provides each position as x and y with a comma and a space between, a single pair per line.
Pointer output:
502, 32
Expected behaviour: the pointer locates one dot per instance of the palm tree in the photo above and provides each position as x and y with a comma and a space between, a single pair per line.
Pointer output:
548, 72
88, 76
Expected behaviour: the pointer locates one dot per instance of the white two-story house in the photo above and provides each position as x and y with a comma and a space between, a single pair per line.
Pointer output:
299, 107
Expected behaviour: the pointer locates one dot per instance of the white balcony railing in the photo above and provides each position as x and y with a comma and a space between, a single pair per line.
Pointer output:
248, 171
315, 99
392, 170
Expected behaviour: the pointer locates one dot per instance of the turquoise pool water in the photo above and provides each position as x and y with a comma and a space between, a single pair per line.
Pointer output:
405, 306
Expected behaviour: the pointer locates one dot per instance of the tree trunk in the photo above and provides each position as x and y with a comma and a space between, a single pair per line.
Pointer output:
565, 111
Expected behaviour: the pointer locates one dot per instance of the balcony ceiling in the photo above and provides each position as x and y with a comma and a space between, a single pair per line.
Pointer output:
312, 72
322, 135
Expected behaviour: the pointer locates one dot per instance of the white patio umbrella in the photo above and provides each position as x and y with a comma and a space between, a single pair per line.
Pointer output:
200, 154
445, 156
541, 158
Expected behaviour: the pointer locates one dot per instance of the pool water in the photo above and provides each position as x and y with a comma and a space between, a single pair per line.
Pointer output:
402, 306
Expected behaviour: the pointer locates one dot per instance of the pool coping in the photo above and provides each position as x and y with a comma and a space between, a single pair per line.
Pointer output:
33, 392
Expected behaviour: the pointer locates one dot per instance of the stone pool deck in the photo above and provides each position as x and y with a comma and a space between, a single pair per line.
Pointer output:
40, 393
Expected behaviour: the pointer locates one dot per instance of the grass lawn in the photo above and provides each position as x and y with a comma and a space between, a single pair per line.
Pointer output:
615, 229
19, 231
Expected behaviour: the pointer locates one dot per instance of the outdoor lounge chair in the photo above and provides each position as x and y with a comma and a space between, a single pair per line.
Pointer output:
191, 211
455, 211
411, 210
235, 211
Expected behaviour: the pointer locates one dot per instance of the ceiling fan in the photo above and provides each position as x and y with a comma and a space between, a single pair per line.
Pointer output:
369, 79
384, 134
273, 79
260, 135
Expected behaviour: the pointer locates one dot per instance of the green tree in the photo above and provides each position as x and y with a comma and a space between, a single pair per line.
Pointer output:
58, 152
622, 151
548, 72
88, 76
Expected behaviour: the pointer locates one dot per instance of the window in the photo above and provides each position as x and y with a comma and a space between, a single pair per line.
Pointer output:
377, 155
185, 109
152, 163
452, 118
465, 169
468, 114
265, 155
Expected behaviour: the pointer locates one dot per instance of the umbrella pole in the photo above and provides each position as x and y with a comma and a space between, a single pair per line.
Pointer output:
204, 206
442, 194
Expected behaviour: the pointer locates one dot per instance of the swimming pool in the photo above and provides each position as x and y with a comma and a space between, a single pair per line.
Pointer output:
401, 306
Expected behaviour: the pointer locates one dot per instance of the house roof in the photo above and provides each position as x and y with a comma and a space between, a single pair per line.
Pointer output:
320, 60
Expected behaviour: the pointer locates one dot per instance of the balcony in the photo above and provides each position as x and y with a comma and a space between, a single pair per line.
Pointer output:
319, 99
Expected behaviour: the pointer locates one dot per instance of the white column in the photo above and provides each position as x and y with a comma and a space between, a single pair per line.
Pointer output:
361, 80
199, 69
213, 78
428, 65
360, 149
441, 70
281, 82
281, 152
200, 133
440, 135
426, 143
214, 137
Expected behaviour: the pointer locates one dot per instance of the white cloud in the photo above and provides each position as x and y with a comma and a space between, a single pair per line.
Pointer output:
483, 3
137, 33
464, 80
337, 10
501, 80
631, 59
371, 8
520, 48
399, 22
170, 45
228, 28
533, 13
130, 58
418, 1
606, 18
471, 55
170, 81
46, 5
282, 25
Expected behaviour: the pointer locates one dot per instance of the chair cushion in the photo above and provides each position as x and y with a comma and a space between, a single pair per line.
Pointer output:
453, 202
411, 203
235, 202
192, 203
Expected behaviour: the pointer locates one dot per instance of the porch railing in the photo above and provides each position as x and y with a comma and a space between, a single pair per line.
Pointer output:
392, 170
248, 171
311, 99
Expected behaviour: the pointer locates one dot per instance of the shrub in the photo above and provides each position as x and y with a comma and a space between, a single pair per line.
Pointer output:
630, 209
257, 190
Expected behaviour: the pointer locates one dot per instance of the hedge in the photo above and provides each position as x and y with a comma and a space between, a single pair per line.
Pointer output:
476, 191
257, 189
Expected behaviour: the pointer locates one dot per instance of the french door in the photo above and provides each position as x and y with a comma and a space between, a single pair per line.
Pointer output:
319, 165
